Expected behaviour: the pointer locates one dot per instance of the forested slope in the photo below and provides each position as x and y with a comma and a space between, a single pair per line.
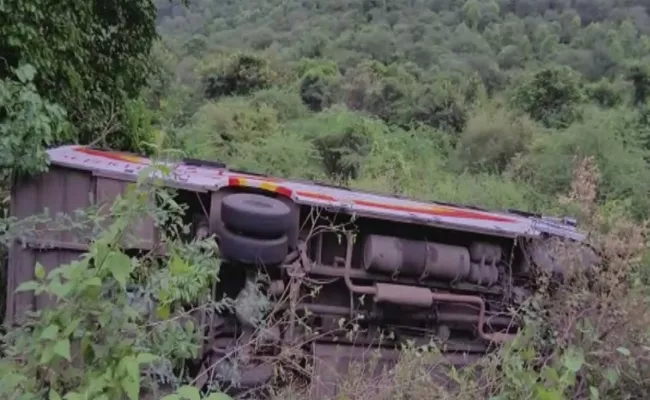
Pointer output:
484, 102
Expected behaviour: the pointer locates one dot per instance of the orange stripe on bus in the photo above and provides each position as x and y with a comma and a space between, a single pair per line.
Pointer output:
317, 196
111, 155
257, 178
271, 187
437, 211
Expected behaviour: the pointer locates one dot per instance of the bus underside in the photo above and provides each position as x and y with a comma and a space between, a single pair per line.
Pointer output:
340, 284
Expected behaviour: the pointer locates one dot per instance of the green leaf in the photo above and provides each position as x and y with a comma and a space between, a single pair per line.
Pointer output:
612, 376
59, 289
593, 393
50, 333
574, 360
131, 381
72, 326
163, 311
146, 358
623, 350
218, 396
54, 395
47, 355
548, 394
132, 367
39, 271
189, 392
189, 326
26, 73
119, 265
98, 384
131, 387
92, 282
62, 348
173, 396
178, 266
29, 286
73, 396
100, 251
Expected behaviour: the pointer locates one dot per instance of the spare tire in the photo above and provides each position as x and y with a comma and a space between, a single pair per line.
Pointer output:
249, 250
255, 215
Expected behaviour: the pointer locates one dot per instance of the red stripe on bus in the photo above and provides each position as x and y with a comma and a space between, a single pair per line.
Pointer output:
437, 211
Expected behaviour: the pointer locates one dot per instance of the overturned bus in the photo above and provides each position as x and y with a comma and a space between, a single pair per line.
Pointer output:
407, 269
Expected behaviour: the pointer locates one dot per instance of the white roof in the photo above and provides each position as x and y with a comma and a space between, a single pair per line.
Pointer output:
203, 177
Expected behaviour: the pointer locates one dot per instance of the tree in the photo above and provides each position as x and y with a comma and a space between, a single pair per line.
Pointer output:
28, 122
472, 13
640, 77
605, 94
440, 107
492, 138
91, 57
237, 74
316, 85
551, 96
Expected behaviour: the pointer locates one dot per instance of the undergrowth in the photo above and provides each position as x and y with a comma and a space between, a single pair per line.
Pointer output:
117, 326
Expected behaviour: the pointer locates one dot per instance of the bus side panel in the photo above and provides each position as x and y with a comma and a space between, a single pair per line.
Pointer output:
60, 190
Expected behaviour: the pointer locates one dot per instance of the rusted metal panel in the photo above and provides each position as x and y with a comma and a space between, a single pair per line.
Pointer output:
23, 263
20, 269
143, 233
60, 190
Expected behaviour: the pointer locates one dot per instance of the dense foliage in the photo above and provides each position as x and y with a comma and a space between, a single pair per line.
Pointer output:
485, 102
118, 328
90, 57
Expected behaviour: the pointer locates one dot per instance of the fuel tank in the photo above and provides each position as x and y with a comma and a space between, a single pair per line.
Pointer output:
425, 260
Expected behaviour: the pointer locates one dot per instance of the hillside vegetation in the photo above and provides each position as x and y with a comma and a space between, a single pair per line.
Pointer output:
541, 105
485, 102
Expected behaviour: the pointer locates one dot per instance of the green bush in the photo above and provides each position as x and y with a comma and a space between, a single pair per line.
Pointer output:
492, 138
551, 96
605, 135
218, 128
29, 124
236, 74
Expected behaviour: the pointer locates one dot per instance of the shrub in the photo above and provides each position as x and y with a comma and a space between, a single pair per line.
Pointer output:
551, 96
236, 74
492, 137
606, 136
219, 127
343, 139
286, 102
